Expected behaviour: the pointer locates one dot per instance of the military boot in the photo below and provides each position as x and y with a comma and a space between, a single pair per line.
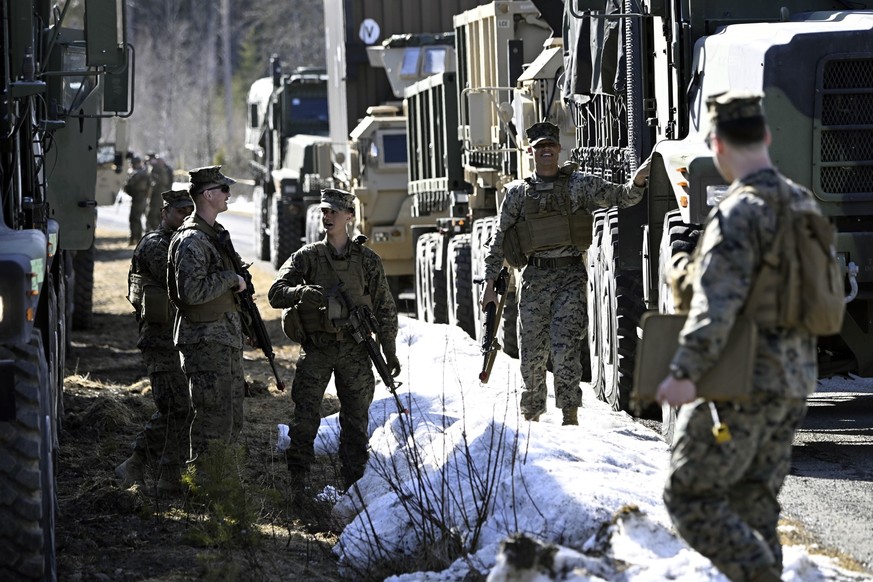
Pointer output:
131, 471
170, 480
571, 417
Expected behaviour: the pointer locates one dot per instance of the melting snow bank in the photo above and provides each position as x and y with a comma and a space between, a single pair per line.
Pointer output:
449, 486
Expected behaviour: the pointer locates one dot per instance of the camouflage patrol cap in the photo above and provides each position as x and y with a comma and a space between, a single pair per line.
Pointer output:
208, 177
543, 131
737, 116
177, 198
338, 200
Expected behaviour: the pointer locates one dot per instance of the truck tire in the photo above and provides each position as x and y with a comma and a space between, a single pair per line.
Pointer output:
459, 284
621, 308
260, 218
314, 229
286, 232
421, 283
481, 237
595, 275
83, 289
28, 505
676, 237
437, 309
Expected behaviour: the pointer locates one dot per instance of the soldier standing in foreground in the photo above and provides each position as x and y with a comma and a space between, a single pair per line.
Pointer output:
161, 177
165, 437
552, 317
137, 186
208, 330
308, 280
722, 496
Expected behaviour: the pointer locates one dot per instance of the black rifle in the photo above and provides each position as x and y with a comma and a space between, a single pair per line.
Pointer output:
363, 326
254, 324
493, 313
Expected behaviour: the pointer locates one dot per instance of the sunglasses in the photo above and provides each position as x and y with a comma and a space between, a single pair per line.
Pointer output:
224, 188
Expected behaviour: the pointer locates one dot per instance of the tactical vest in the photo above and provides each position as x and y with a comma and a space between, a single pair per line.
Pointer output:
545, 222
329, 272
148, 297
211, 310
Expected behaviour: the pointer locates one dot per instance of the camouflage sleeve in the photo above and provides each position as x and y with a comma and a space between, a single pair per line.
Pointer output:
728, 260
198, 279
383, 302
587, 190
510, 212
292, 274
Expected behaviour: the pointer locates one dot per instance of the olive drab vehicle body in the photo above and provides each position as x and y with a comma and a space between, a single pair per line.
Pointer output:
286, 133
65, 71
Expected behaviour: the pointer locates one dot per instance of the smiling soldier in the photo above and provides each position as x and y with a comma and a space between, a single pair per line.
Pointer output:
545, 227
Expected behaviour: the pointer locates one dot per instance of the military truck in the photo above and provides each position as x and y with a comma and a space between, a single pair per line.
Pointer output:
636, 80
58, 81
286, 132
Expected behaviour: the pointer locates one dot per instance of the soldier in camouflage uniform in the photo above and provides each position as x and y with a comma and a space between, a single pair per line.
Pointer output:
552, 317
208, 329
161, 177
165, 436
137, 186
722, 496
307, 281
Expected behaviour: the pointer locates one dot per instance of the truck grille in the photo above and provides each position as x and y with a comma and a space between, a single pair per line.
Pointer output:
845, 110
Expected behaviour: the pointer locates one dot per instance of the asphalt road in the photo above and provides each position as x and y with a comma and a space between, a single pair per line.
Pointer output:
830, 488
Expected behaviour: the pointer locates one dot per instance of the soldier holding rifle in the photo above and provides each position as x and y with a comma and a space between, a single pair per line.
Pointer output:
304, 283
208, 332
543, 214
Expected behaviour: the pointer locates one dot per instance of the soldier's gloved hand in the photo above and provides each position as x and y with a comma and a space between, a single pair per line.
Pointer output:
393, 364
310, 296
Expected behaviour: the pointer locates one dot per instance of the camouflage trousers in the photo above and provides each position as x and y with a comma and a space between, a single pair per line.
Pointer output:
138, 203
353, 374
215, 377
722, 498
552, 321
165, 436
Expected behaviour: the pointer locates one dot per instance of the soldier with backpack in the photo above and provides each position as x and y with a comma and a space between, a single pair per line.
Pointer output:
730, 458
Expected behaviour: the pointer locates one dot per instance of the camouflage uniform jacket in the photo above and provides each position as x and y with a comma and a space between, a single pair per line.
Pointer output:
138, 182
585, 191
150, 260
201, 274
738, 232
300, 269
161, 176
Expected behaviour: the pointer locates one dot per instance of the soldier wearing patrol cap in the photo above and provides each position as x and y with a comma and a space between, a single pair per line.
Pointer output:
137, 186
304, 283
208, 328
552, 306
722, 493
163, 442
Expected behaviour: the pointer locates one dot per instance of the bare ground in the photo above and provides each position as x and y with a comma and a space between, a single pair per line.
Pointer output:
109, 533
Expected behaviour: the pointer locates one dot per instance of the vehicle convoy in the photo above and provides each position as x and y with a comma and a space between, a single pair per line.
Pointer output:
59, 81
286, 132
622, 81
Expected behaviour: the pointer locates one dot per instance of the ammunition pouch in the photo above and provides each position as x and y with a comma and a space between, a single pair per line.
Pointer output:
155, 305
292, 326
210, 311
512, 248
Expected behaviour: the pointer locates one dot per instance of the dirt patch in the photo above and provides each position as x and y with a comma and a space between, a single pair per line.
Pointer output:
247, 531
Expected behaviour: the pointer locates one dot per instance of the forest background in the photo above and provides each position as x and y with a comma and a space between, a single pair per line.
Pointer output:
195, 62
